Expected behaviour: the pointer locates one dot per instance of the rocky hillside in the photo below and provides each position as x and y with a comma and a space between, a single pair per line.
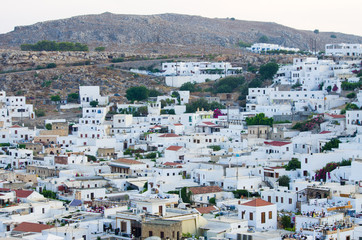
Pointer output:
157, 33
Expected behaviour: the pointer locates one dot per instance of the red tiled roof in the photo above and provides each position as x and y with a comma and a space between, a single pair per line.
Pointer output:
209, 123
178, 124
257, 203
15, 126
156, 126
31, 227
277, 143
324, 132
128, 161
171, 164
169, 135
23, 193
336, 115
205, 210
203, 190
174, 148
4, 189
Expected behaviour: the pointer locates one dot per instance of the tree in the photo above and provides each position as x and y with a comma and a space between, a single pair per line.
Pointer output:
259, 119
228, 84
55, 98
51, 65
293, 164
39, 112
351, 95
333, 143
48, 126
154, 93
212, 201
46, 45
244, 44
333, 36
284, 181
267, 71
185, 195
94, 103
137, 93
263, 39
100, 49
73, 97
202, 103
189, 86
316, 31
286, 221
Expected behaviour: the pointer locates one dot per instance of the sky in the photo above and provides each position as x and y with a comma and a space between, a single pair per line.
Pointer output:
325, 15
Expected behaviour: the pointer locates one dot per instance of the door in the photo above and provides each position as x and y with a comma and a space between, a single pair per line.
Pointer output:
160, 210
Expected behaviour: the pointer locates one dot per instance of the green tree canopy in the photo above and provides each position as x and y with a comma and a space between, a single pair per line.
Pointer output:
202, 103
73, 97
94, 103
228, 84
55, 98
137, 93
100, 49
259, 119
154, 93
263, 39
284, 181
46, 45
293, 164
189, 86
333, 143
267, 71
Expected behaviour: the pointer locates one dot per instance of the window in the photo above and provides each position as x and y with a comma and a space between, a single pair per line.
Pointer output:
150, 234
270, 215
290, 201
281, 199
162, 235
251, 216
263, 217
276, 199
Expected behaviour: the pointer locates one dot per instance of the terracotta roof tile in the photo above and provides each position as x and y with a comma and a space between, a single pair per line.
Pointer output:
209, 123
31, 227
336, 115
277, 143
178, 124
23, 193
169, 135
205, 210
257, 203
172, 164
174, 148
324, 132
127, 161
203, 190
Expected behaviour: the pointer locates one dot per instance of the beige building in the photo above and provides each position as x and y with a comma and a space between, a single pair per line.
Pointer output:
164, 229
43, 171
58, 128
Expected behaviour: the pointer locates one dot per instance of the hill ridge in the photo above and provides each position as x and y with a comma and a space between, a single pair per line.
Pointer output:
137, 31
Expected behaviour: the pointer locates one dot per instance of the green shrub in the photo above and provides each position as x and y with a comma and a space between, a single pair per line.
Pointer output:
39, 112
351, 95
46, 45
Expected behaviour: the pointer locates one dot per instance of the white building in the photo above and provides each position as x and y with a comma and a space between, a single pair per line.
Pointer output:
344, 49
261, 215
178, 73
265, 47
88, 94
